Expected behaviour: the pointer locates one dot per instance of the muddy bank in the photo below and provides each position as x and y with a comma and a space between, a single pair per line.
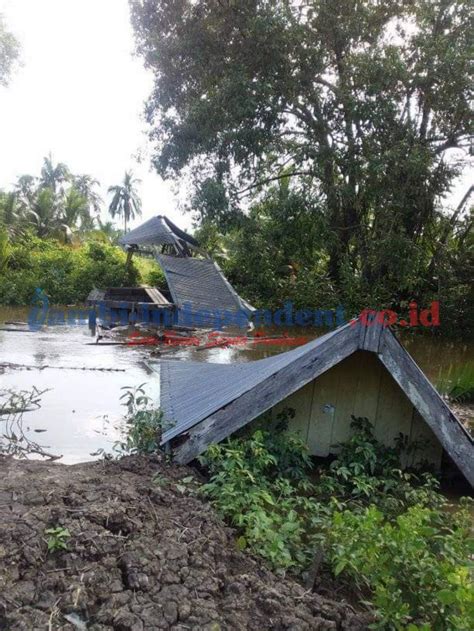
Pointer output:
144, 553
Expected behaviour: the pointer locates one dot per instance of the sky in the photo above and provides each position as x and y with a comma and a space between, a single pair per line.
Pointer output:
80, 95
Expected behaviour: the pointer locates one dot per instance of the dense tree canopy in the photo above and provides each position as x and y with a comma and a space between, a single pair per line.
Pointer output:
9, 53
365, 103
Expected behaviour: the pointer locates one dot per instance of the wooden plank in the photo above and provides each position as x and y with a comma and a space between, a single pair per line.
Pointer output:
432, 451
300, 401
394, 411
268, 393
346, 375
368, 386
322, 413
156, 296
433, 409
370, 332
130, 305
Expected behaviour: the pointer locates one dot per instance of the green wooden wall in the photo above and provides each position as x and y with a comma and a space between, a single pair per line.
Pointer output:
360, 386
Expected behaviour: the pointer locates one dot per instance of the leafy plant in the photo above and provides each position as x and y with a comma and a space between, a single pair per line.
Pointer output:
58, 538
4, 249
254, 482
366, 471
415, 567
381, 530
144, 423
66, 273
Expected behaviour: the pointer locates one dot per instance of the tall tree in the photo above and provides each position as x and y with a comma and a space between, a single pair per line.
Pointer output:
75, 210
367, 100
87, 185
9, 53
9, 210
54, 176
25, 188
44, 212
56, 202
125, 202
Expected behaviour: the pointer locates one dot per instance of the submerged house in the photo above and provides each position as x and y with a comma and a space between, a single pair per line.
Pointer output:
197, 293
354, 370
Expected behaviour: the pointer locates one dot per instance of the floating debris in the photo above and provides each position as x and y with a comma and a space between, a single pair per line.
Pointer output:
7, 365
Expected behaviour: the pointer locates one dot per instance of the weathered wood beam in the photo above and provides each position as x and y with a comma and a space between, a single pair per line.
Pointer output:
424, 397
370, 332
256, 401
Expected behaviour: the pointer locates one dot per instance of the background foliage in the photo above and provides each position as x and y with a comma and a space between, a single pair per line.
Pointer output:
66, 273
327, 153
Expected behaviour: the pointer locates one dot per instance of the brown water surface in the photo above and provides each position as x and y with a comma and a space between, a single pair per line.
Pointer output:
81, 412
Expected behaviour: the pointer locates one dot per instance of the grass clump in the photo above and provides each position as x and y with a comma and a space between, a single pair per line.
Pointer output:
458, 383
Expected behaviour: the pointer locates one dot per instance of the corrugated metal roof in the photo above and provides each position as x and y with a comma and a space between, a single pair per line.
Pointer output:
192, 391
219, 399
158, 230
200, 284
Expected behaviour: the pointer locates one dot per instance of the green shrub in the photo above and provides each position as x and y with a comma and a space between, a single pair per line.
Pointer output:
150, 272
416, 567
383, 530
66, 273
143, 422
256, 483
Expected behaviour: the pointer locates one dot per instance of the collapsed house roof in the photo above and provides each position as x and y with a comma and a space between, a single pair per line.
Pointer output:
205, 403
194, 283
158, 230
200, 284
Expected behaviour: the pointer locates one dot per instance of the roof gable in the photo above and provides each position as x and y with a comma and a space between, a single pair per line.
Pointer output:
158, 230
205, 403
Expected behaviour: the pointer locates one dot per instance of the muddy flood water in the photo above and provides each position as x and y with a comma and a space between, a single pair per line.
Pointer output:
81, 413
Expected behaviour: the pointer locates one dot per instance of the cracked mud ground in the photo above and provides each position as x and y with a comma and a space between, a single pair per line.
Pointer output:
144, 553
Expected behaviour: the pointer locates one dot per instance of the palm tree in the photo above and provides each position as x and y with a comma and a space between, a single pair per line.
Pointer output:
125, 201
75, 210
25, 188
53, 175
86, 184
44, 212
9, 210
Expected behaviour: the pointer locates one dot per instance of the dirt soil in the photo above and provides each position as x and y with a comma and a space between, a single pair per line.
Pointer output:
144, 553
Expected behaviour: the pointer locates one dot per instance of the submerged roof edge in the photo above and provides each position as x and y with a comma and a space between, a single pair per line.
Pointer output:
313, 346
249, 404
